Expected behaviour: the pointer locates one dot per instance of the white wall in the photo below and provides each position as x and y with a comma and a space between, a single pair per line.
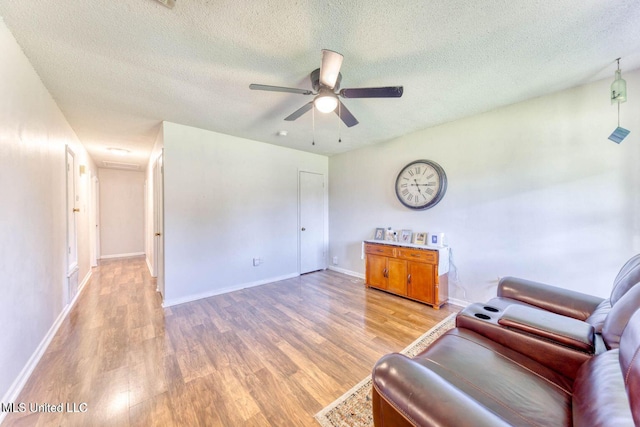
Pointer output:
535, 190
121, 212
228, 200
33, 135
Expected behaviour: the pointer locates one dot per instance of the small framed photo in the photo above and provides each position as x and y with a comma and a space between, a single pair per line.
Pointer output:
390, 235
379, 234
405, 236
419, 238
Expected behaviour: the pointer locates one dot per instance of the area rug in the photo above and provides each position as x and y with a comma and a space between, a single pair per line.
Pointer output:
353, 409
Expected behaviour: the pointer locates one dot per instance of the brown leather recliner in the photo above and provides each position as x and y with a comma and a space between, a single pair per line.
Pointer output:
466, 379
535, 355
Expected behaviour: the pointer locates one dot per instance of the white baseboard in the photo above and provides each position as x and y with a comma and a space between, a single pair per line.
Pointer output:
347, 272
129, 255
150, 267
189, 298
18, 384
460, 302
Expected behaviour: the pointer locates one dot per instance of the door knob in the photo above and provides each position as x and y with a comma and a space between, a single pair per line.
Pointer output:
76, 210
303, 229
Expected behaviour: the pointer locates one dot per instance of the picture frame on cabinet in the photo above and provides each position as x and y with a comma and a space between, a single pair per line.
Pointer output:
405, 236
419, 238
379, 234
390, 235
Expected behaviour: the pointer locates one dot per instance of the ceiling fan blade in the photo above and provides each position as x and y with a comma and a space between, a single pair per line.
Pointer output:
373, 92
346, 115
330, 68
254, 86
300, 111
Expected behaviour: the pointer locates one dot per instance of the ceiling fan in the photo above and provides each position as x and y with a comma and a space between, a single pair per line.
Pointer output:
325, 82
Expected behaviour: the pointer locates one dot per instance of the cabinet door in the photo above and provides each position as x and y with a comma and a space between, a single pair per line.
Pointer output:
421, 282
397, 276
376, 271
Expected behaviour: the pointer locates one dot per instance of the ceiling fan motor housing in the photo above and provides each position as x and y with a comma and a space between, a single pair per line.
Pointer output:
315, 80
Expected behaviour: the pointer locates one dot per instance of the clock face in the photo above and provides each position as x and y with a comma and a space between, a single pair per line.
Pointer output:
421, 184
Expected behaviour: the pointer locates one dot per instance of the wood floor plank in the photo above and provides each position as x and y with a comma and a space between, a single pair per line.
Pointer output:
274, 354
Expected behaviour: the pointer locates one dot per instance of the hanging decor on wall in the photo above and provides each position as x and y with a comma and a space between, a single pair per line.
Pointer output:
618, 96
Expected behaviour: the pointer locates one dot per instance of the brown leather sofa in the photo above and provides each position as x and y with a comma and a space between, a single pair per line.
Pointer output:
535, 355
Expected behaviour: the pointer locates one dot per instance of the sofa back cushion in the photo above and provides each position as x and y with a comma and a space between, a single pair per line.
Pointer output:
619, 316
599, 315
630, 363
599, 396
627, 278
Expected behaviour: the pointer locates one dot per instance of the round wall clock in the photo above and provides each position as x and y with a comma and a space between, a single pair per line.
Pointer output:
421, 184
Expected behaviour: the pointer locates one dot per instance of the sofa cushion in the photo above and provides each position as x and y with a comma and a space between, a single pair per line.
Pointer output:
599, 397
511, 385
627, 278
619, 316
630, 363
599, 315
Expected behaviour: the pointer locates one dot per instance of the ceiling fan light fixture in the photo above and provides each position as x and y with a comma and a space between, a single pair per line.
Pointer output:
326, 101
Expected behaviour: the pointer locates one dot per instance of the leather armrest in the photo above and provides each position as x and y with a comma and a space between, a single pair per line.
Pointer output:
563, 330
408, 393
551, 298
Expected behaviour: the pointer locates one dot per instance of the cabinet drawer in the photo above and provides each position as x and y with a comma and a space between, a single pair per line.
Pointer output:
418, 255
380, 250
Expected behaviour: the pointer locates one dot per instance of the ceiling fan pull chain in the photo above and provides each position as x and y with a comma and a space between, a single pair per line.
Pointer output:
313, 125
339, 120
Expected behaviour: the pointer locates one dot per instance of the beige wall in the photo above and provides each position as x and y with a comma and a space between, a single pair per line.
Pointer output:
535, 190
121, 212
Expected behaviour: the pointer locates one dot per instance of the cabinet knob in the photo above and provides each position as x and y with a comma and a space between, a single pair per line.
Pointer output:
409, 279
303, 229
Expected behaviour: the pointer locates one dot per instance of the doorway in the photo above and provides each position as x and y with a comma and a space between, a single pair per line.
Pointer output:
94, 231
311, 230
72, 226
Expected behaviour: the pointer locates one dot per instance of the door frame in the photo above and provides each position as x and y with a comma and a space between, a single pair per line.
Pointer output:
158, 223
325, 217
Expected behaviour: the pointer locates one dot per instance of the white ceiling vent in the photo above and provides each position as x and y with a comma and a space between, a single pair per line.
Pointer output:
120, 165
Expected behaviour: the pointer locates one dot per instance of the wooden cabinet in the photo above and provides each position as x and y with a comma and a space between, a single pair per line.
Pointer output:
406, 271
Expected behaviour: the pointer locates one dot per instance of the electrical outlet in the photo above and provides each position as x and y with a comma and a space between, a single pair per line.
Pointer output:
335, 260
257, 261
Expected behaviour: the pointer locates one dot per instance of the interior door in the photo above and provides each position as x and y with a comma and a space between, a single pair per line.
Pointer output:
93, 218
312, 216
72, 228
158, 222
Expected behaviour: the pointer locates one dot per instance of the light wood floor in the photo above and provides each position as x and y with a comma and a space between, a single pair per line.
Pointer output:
272, 355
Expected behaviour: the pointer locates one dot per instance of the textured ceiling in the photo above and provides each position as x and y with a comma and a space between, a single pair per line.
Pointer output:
118, 68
